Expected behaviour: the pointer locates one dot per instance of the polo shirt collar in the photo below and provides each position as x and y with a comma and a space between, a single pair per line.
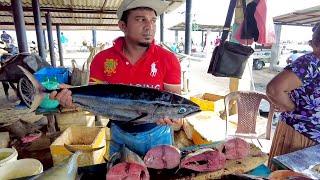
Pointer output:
119, 42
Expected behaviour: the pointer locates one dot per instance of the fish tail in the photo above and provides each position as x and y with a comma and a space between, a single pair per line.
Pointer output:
73, 149
35, 91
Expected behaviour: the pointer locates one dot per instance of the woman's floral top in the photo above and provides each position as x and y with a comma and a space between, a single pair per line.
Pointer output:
306, 117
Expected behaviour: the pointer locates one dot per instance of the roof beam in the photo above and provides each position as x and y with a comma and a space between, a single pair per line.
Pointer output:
295, 24
102, 8
65, 24
64, 10
65, 17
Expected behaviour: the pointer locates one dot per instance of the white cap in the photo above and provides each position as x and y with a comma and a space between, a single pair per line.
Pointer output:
158, 5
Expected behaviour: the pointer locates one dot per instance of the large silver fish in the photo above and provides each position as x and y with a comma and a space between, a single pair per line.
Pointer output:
118, 102
67, 169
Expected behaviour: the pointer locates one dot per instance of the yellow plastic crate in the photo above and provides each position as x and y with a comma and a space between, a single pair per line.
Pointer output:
207, 101
198, 139
83, 138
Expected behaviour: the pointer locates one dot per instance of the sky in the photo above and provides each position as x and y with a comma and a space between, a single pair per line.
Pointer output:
206, 12
214, 12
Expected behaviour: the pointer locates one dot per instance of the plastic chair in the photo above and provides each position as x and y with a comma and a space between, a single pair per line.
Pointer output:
247, 118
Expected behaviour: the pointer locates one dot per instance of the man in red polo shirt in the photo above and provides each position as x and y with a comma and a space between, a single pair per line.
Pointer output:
135, 60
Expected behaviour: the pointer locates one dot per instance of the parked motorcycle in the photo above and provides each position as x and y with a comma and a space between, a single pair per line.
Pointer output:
7, 51
9, 71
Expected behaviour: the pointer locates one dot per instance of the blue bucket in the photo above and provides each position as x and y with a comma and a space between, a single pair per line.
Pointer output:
61, 75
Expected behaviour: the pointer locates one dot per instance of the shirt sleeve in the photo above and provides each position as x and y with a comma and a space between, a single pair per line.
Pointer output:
96, 69
173, 72
302, 68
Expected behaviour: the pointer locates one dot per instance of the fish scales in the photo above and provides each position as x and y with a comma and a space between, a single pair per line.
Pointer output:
119, 102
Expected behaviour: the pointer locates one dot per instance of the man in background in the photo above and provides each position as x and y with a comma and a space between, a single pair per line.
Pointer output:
5, 37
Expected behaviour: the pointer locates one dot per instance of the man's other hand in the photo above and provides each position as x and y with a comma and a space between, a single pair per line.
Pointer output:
64, 96
177, 123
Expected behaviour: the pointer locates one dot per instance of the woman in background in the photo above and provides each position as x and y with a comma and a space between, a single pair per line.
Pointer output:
296, 93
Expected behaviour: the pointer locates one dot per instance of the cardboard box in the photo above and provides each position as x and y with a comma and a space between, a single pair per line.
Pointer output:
208, 102
82, 118
207, 127
4, 139
83, 138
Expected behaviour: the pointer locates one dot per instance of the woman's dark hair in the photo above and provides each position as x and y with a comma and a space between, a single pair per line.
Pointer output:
126, 13
315, 26
316, 35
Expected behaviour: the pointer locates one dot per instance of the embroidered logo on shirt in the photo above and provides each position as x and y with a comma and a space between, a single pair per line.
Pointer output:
153, 71
110, 66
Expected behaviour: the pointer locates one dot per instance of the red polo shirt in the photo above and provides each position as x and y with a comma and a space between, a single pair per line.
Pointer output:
156, 67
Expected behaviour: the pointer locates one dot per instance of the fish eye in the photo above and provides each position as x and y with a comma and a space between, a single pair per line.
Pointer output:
182, 110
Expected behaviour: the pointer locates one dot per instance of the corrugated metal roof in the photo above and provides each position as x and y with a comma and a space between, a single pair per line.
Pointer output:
84, 14
201, 27
306, 17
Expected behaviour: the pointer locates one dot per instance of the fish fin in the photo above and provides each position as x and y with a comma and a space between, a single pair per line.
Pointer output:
35, 89
113, 159
73, 149
137, 118
178, 169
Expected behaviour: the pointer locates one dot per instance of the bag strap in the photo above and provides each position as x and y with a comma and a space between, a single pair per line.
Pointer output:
74, 64
244, 24
227, 23
226, 27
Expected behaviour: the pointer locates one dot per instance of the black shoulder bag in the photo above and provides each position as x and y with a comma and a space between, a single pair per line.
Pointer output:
229, 59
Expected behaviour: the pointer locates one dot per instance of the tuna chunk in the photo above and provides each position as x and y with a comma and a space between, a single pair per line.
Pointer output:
130, 171
131, 166
204, 160
162, 157
236, 149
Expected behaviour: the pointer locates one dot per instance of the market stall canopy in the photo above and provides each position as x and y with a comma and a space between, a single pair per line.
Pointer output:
198, 27
306, 17
71, 14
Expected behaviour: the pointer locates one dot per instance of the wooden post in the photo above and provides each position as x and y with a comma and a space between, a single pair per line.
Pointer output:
275, 48
19, 24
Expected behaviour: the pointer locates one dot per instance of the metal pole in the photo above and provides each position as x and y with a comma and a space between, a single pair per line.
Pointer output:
94, 38
187, 49
202, 39
176, 36
19, 25
162, 27
38, 26
59, 45
44, 39
98, 121
50, 40
275, 48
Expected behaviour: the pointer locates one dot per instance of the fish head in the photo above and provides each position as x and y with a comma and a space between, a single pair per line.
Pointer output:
177, 111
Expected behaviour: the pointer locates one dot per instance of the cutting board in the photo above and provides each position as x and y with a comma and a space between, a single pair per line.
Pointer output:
302, 161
